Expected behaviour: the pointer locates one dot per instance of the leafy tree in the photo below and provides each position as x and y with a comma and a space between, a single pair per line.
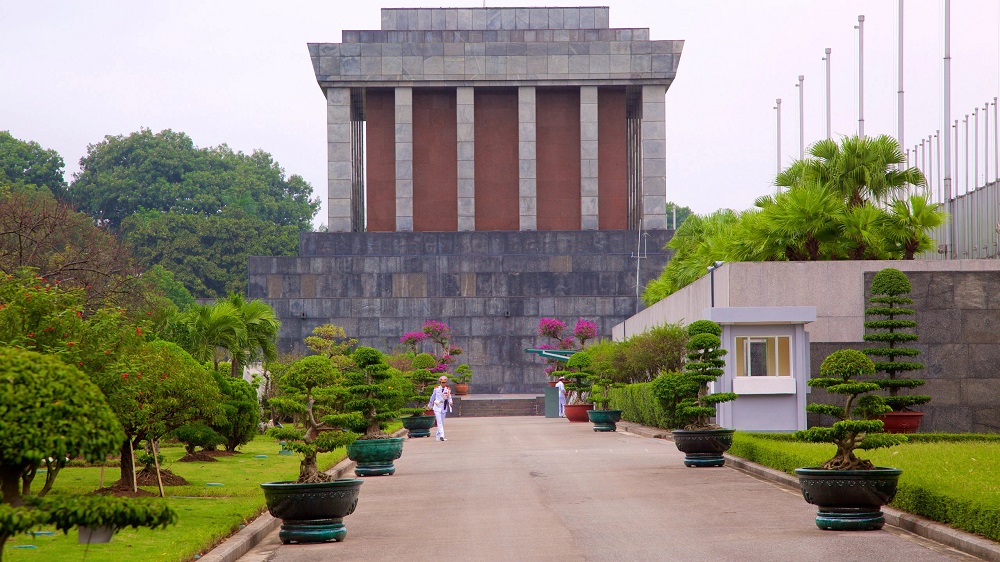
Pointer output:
198, 434
51, 412
682, 213
208, 254
889, 328
155, 391
166, 172
26, 162
642, 357
40, 232
213, 328
373, 395
330, 340
687, 396
172, 289
239, 411
854, 428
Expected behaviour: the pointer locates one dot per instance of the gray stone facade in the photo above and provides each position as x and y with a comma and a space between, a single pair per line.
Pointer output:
466, 48
491, 287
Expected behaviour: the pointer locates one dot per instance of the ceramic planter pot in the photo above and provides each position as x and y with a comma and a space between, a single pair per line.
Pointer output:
605, 420
461, 388
578, 412
312, 512
419, 426
902, 422
849, 500
87, 535
703, 447
375, 456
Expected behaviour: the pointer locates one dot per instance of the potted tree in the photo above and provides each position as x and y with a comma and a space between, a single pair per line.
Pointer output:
890, 327
419, 423
849, 491
600, 376
461, 378
702, 441
373, 397
312, 508
578, 386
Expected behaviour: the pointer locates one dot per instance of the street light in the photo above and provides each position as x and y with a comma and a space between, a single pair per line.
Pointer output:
711, 279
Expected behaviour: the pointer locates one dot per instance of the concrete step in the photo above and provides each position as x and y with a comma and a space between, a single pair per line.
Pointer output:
499, 407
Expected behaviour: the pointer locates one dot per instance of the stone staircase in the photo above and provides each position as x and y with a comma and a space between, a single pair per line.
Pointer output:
497, 406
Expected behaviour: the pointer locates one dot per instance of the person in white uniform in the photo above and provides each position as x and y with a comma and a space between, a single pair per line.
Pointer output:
440, 402
561, 388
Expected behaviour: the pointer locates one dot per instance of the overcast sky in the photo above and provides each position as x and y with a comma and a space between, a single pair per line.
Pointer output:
239, 73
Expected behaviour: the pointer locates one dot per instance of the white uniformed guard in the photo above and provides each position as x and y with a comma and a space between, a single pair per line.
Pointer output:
440, 402
561, 387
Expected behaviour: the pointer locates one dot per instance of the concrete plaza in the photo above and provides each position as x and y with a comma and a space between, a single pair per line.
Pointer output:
534, 488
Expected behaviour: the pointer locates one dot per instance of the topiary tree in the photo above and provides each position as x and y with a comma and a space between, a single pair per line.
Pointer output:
198, 434
50, 412
373, 395
578, 375
854, 428
421, 379
239, 411
312, 392
890, 329
704, 365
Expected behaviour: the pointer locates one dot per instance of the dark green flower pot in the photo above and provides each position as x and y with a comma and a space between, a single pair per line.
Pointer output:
703, 447
418, 426
375, 456
312, 512
849, 500
604, 420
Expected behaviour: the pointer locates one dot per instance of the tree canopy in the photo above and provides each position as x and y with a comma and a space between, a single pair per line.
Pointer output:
166, 172
26, 162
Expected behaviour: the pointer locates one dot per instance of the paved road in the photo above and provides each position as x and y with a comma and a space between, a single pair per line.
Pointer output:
532, 488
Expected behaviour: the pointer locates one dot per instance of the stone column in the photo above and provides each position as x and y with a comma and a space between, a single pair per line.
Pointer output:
466, 117
654, 157
339, 162
404, 159
526, 126
588, 158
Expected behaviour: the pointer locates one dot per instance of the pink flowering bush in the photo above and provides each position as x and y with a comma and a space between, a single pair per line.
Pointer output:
554, 329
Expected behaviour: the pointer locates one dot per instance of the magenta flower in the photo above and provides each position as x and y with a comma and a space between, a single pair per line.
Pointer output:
551, 327
585, 330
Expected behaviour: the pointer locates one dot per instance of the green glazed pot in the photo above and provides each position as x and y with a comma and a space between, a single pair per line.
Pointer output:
418, 426
375, 456
604, 420
312, 512
849, 500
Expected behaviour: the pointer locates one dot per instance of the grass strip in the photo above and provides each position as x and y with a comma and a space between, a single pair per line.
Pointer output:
950, 479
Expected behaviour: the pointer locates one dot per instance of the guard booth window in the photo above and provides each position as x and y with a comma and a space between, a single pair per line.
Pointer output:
763, 356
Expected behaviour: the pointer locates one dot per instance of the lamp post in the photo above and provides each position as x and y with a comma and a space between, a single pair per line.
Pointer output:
711, 280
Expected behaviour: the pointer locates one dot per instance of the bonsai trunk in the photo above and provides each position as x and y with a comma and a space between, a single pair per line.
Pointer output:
845, 459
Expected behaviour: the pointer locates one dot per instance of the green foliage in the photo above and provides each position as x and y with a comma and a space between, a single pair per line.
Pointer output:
68, 512
239, 411
49, 410
845, 201
261, 326
330, 340
889, 289
579, 377
121, 176
207, 254
174, 290
641, 357
28, 163
638, 404
17, 520
374, 395
682, 214
462, 374
854, 427
670, 389
198, 434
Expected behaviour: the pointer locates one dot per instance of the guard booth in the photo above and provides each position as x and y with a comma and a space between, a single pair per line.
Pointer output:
551, 393
767, 366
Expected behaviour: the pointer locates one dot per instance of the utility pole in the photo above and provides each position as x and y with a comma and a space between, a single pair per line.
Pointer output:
827, 59
861, 75
777, 106
899, 125
802, 116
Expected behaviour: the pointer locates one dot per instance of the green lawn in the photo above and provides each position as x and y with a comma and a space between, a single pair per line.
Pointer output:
956, 482
206, 514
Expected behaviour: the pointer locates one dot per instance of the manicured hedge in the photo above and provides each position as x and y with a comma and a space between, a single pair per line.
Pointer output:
637, 403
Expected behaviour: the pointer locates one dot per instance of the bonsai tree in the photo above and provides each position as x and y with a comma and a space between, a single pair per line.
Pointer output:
421, 379
372, 395
197, 434
602, 373
890, 329
311, 391
578, 378
462, 374
854, 428
704, 365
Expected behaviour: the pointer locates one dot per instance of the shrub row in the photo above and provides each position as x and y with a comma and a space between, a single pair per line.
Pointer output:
638, 404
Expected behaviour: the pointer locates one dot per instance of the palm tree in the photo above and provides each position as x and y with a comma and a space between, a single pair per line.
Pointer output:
261, 327
804, 219
860, 169
213, 328
908, 223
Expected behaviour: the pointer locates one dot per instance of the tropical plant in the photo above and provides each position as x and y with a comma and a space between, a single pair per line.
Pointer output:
889, 328
212, 329
312, 391
699, 242
854, 429
908, 223
704, 365
261, 327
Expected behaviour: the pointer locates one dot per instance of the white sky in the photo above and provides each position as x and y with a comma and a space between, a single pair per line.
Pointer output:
238, 72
